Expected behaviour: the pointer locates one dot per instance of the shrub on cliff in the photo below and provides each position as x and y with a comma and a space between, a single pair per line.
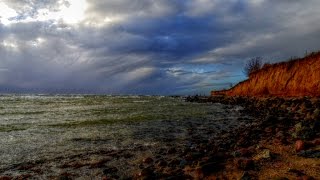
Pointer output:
252, 65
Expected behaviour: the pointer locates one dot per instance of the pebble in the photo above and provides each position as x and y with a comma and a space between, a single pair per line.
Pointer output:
146, 173
316, 142
174, 163
306, 178
161, 163
147, 160
280, 134
5, 178
316, 113
64, 177
243, 152
245, 176
183, 163
194, 173
171, 151
244, 163
310, 153
264, 154
299, 146
110, 170
316, 126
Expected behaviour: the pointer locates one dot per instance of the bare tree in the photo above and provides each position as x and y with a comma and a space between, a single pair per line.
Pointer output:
252, 65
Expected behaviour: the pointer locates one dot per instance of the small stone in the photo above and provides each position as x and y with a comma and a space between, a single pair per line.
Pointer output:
299, 146
308, 117
270, 120
146, 173
243, 152
210, 165
192, 172
128, 155
242, 141
298, 126
296, 172
161, 163
279, 134
182, 163
148, 160
306, 178
316, 142
316, 126
110, 170
244, 163
171, 151
316, 113
303, 131
245, 176
264, 154
189, 157
174, 163
5, 178
24, 176
63, 177
186, 151
310, 154
268, 130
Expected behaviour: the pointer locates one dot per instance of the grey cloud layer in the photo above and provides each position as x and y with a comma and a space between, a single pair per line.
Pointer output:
153, 47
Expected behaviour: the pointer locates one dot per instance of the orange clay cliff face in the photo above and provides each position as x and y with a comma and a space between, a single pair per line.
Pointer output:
300, 77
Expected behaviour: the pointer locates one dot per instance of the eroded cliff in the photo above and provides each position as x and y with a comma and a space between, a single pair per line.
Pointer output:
300, 77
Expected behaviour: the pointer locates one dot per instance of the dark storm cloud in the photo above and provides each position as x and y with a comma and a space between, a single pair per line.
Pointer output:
150, 47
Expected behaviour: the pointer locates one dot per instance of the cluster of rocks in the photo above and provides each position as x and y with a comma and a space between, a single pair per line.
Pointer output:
293, 122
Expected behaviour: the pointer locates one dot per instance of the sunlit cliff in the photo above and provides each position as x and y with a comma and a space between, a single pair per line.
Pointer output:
299, 77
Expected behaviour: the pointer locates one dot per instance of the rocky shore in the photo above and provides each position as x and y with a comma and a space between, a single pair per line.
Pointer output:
283, 143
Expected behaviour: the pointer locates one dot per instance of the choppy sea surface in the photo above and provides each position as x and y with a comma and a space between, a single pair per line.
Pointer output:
53, 131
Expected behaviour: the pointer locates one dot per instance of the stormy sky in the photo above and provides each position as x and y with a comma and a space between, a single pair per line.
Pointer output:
146, 46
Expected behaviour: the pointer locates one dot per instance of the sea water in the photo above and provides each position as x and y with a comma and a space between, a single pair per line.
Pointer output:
49, 131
